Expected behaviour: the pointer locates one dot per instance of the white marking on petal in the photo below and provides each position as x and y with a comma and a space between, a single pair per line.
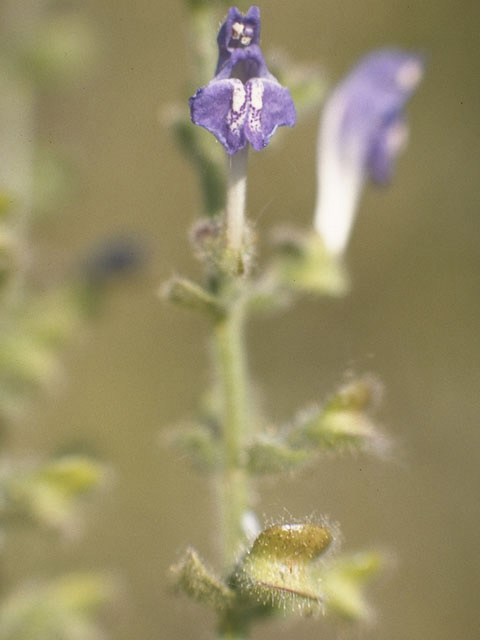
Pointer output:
409, 75
237, 114
238, 98
256, 99
255, 102
245, 40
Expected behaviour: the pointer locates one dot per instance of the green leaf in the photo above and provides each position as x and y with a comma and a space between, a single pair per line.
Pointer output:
190, 295
194, 579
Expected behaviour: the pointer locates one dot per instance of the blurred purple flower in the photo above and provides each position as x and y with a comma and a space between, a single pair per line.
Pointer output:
249, 106
362, 131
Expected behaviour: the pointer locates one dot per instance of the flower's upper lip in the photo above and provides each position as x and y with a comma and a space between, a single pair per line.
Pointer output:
235, 17
238, 40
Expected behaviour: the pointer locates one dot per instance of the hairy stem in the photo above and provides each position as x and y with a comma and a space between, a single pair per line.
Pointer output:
234, 480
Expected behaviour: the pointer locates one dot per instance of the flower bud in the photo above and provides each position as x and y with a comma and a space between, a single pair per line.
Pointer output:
276, 570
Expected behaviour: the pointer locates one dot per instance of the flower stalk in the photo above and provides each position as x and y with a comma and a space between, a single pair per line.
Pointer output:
236, 200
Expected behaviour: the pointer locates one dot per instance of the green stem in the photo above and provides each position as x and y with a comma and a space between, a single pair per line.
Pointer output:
234, 480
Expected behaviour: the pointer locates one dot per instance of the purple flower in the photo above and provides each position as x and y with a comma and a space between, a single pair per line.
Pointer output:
362, 131
244, 102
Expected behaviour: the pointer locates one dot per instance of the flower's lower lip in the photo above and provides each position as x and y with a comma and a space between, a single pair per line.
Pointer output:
237, 113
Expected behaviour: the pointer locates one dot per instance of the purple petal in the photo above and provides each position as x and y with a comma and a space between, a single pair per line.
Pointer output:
221, 107
384, 150
269, 106
374, 96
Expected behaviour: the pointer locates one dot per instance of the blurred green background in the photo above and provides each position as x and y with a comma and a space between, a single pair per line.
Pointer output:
412, 319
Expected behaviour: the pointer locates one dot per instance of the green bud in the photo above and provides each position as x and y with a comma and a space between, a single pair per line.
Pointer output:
192, 577
358, 395
335, 430
344, 422
277, 569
